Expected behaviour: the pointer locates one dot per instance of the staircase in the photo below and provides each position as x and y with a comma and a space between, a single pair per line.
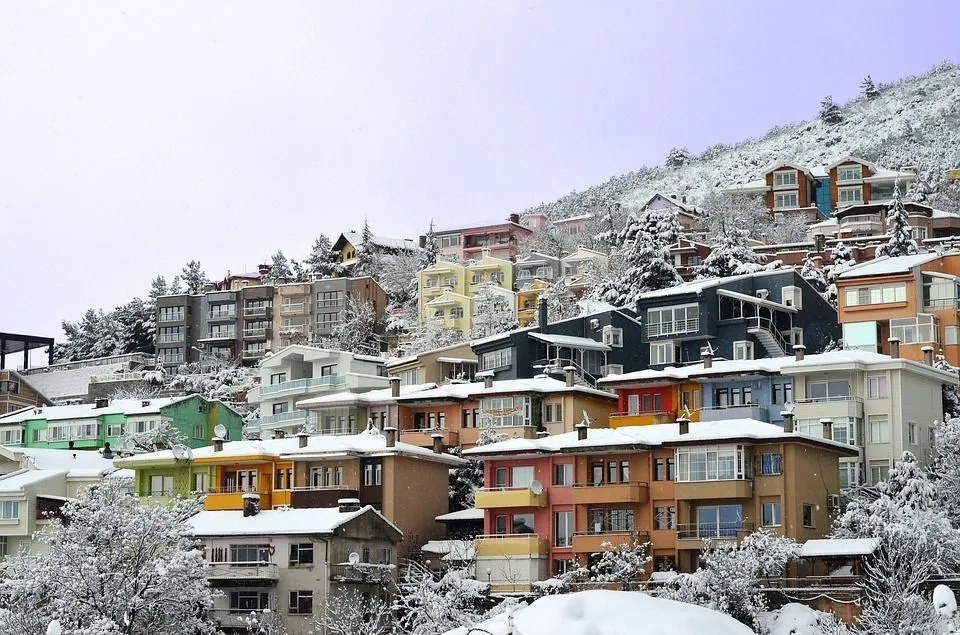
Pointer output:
768, 335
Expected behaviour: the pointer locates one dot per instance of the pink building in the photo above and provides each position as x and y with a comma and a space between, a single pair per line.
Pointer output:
502, 239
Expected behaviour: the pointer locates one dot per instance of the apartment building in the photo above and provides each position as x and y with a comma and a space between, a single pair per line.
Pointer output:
537, 272
557, 499
406, 483
90, 426
449, 363
78, 382
570, 226
447, 289
352, 412
688, 255
290, 561
500, 238
880, 405
16, 393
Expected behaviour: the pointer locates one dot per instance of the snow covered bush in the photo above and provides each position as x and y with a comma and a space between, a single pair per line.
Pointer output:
731, 256
427, 606
349, 612
678, 157
798, 619
620, 563
116, 567
900, 241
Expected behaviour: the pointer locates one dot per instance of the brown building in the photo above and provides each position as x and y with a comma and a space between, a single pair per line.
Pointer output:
457, 362
16, 393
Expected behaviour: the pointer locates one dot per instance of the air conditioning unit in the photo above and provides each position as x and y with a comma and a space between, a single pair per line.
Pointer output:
594, 324
833, 502
763, 294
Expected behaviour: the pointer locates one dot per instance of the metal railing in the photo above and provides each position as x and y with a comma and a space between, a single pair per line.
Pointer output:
660, 329
831, 399
605, 484
294, 415
712, 531
254, 332
165, 338
222, 313
256, 310
223, 334
557, 364
302, 384
327, 304
335, 431
603, 532
170, 317
234, 570
767, 325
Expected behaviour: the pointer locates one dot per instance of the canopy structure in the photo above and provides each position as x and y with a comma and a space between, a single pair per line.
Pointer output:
16, 343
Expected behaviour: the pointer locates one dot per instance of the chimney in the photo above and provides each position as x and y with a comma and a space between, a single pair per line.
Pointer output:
264, 270
570, 374
101, 402
279, 434
394, 387
217, 444
107, 452
927, 355
787, 421
894, 347
251, 504
391, 433
684, 425
302, 438
69, 445
437, 443
422, 241
799, 350
707, 357
488, 380
543, 316
827, 429
581, 431
145, 403
347, 505
514, 218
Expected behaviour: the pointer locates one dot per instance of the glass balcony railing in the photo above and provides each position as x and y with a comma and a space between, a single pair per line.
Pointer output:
303, 384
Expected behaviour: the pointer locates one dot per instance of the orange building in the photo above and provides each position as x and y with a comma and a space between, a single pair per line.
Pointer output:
654, 396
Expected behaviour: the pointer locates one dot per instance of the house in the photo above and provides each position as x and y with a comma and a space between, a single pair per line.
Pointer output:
348, 244
854, 181
92, 426
448, 289
687, 256
290, 561
299, 372
687, 215
406, 483
351, 412
559, 499
455, 362
537, 272
17, 393
789, 188
501, 238
881, 405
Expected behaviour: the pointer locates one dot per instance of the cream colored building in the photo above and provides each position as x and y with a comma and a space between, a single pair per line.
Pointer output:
447, 288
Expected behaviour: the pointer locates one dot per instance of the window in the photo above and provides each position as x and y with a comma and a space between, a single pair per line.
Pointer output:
301, 554
772, 515
170, 334
449, 240
918, 233
114, 429
201, 482
827, 390
501, 412
553, 413
875, 294
807, 515
372, 474
633, 404
500, 525
879, 427
712, 463
849, 173
561, 567
246, 601
161, 485
612, 472
940, 291
665, 518
409, 377
563, 474
596, 473
951, 335
249, 555
279, 408
521, 476
456, 312
659, 470
10, 510
496, 359
785, 178
663, 353
671, 469
624, 471
170, 314
782, 393
785, 200
522, 524
611, 369
743, 350
719, 521
673, 320
301, 602
613, 337
849, 474
879, 471
385, 555
877, 387
771, 463
850, 195
563, 532
500, 477
920, 329
913, 436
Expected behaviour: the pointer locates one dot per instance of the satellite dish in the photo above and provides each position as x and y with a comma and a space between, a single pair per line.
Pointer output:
220, 430
536, 487
178, 453
189, 454
353, 558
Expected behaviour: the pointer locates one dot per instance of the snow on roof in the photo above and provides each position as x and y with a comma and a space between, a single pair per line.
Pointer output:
694, 286
480, 225
535, 384
885, 174
855, 357
819, 172
886, 265
612, 613
825, 547
455, 390
718, 367
463, 514
501, 336
275, 521
129, 407
367, 443
371, 396
939, 213
51, 459
356, 239
73, 382
450, 549
757, 185
16, 481
571, 219
584, 343
653, 435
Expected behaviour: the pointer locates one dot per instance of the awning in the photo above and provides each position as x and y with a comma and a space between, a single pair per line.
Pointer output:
456, 360
570, 341
776, 306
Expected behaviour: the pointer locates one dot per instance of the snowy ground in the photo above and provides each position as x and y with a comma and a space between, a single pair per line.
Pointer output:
610, 613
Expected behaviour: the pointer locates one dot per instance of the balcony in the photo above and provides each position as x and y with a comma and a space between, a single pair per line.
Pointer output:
620, 420
285, 418
221, 571
222, 334
594, 541
320, 497
294, 289
167, 338
231, 498
330, 304
829, 407
253, 353
303, 384
708, 490
864, 223
713, 531
254, 311
501, 497
255, 334
424, 438
500, 545
601, 494
170, 317
222, 314
295, 308
680, 327
722, 413
233, 619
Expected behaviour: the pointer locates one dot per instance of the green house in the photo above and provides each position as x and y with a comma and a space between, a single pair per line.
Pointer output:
89, 426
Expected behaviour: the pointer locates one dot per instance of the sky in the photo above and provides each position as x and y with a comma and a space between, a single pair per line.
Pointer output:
137, 136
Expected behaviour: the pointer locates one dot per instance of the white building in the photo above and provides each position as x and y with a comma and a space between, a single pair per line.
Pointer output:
301, 372
291, 560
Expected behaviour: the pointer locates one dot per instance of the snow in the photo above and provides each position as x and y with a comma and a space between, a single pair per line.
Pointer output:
863, 359
944, 601
51, 459
127, 407
610, 613
450, 550
274, 521
829, 547
17, 481
381, 395
886, 265
547, 385
796, 619
767, 365
403, 244
463, 514
446, 391
584, 343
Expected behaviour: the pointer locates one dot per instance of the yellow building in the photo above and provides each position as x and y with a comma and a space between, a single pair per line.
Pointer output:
447, 289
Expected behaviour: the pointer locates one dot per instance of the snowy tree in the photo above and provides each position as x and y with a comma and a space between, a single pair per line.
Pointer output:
176, 288
493, 313
548, 240
365, 264
465, 480
868, 88
135, 327
429, 606
561, 303
900, 241
950, 399
115, 568
431, 250
350, 612
266, 622
280, 267
829, 111
945, 467
730, 256
322, 260
427, 335
919, 190
194, 277
226, 381
164, 437
158, 287
356, 332
722, 211
787, 228
678, 157
812, 273
620, 563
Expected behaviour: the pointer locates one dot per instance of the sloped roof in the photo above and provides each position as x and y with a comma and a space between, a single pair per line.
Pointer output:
544, 385
16, 481
355, 238
129, 407
379, 395
286, 521
886, 265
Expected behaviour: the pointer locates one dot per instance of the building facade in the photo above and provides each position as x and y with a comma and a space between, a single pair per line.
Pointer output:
17, 393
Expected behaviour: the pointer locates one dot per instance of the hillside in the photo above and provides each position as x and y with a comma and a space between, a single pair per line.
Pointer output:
915, 122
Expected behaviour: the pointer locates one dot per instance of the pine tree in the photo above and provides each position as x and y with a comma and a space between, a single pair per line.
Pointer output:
730, 256
364, 265
813, 274
678, 157
900, 241
135, 321
431, 250
158, 287
322, 260
280, 267
194, 277
869, 90
175, 287
829, 111
492, 314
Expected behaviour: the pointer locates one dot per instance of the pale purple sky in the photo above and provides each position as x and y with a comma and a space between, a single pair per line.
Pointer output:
134, 136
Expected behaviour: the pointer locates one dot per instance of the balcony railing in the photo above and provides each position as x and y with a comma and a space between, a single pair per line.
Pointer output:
254, 353
222, 314
329, 304
134, 375
660, 329
283, 417
170, 317
165, 338
303, 384
256, 310
831, 399
221, 335
171, 359
941, 303
712, 531
255, 332
243, 571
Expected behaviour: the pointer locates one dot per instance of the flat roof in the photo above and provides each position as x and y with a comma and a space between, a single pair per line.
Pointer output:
18, 342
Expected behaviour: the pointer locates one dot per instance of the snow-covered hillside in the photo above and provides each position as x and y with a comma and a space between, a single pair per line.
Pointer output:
915, 122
